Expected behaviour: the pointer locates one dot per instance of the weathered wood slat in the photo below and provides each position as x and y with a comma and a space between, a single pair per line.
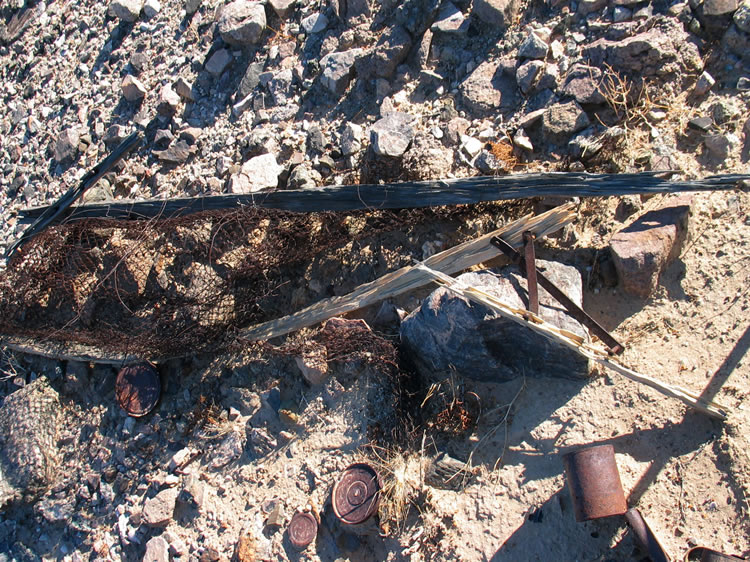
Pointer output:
408, 278
405, 195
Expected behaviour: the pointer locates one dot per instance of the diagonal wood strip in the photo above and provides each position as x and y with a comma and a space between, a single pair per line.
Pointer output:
592, 352
408, 278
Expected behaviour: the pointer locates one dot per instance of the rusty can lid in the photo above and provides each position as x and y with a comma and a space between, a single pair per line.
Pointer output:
138, 388
356, 495
302, 529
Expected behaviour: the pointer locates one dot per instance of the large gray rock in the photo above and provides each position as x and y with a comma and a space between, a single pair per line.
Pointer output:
487, 89
499, 13
66, 146
667, 49
132, 88
392, 135
126, 10
158, 511
338, 70
390, 51
584, 83
29, 419
242, 22
527, 73
563, 120
448, 334
260, 172
283, 8
157, 550
533, 47
642, 250
218, 62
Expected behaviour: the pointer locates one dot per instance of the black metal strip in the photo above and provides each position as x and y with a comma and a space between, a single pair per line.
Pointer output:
573, 309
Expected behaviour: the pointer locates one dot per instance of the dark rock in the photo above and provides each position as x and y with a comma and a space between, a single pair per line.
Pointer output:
158, 511
218, 62
725, 110
114, 135
527, 73
642, 250
584, 83
126, 10
315, 140
533, 47
356, 10
628, 205
720, 146
586, 7
391, 135
498, 13
390, 51
447, 334
702, 124
488, 89
176, 153
447, 473
157, 550
132, 88
450, 20
163, 138
737, 42
656, 52
283, 7
416, 16
138, 62
563, 120
242, 22
250, 80
338, 69
66, 146
455, 128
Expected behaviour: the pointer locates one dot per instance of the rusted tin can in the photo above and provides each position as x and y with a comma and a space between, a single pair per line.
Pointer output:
594, 482
138, 388
302, 529
356, 497
703, 554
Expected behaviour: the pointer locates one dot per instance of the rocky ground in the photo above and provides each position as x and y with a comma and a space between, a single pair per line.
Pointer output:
246, 96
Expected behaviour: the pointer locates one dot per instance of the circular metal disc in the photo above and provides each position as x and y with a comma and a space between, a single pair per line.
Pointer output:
138, 388
302, 530
356, 495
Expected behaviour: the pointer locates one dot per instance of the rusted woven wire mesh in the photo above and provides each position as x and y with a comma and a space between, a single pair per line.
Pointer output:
173, 286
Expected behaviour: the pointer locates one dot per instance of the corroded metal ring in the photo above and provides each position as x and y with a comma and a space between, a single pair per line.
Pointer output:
356, 496
303, 528
138, 388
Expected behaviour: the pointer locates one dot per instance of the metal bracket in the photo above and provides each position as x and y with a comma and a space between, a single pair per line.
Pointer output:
573, 309
531, 282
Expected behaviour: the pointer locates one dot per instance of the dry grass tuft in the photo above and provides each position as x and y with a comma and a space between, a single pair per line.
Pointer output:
403, 484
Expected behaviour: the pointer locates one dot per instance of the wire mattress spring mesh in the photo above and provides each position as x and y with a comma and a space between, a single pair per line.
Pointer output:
171, 286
